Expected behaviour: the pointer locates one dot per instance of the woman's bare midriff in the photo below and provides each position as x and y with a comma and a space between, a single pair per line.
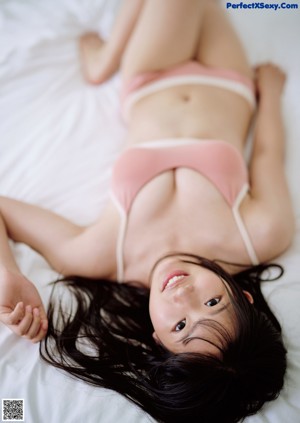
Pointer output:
195, 111
168, 214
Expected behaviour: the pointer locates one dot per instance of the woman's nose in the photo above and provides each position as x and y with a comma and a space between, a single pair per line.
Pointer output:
184, 293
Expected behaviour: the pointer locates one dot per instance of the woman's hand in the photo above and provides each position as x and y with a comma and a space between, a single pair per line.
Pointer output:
21, 308
270, 79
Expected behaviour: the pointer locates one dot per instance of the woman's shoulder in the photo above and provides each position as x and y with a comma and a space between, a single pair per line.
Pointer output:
97, 244
271, 232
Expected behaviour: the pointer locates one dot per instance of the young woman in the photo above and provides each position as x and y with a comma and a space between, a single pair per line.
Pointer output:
208, 346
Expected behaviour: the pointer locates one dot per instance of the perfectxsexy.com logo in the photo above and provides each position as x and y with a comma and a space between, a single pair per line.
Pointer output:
261, 5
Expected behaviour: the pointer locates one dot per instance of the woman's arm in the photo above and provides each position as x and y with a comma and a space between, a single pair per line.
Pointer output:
269, 189
69, 248
21, 308
100, 59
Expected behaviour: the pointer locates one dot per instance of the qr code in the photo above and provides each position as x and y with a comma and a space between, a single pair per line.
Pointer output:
13, 410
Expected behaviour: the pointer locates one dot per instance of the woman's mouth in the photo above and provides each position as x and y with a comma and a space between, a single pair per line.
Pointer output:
173, 279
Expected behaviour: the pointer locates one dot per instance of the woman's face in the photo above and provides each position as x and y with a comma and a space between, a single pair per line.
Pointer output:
182, 295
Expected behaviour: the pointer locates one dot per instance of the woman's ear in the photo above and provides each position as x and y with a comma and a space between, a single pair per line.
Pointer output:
249, 297
156, 338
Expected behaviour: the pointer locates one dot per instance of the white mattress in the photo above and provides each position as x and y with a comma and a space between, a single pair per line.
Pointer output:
58, 139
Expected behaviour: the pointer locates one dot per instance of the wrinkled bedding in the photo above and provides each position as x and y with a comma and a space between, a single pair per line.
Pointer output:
58, 139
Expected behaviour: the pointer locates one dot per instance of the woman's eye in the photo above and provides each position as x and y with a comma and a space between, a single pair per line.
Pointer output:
180, 325
213, 302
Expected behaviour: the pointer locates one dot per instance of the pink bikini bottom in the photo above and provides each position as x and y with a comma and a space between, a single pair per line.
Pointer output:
192, 73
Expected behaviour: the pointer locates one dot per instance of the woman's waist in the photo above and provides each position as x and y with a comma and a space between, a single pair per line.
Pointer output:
186, 80
190, 112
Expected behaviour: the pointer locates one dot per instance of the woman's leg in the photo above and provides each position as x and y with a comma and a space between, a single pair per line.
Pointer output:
166, 34
219, 45
171, 32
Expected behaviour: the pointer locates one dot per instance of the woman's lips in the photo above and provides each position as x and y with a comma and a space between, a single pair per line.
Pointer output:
173, 279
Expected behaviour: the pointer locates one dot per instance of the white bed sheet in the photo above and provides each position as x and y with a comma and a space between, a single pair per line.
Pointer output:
58, 139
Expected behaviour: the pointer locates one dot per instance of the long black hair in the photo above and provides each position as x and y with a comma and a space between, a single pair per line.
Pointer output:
102, 334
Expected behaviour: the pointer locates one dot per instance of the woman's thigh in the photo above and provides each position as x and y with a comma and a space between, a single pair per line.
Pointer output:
167, 33
219, 45
170, 32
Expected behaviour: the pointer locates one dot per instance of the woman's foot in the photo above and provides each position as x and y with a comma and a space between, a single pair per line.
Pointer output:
96, 61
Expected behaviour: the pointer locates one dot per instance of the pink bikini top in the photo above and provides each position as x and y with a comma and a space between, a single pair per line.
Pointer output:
220, 162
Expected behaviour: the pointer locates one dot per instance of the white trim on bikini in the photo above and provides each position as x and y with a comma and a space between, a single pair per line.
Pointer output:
152, 87
241, 225
237, 217
120, 239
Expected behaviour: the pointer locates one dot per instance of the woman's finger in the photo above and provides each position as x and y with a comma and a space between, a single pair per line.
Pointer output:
23, 327
42, 332
35, 326
12, 317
